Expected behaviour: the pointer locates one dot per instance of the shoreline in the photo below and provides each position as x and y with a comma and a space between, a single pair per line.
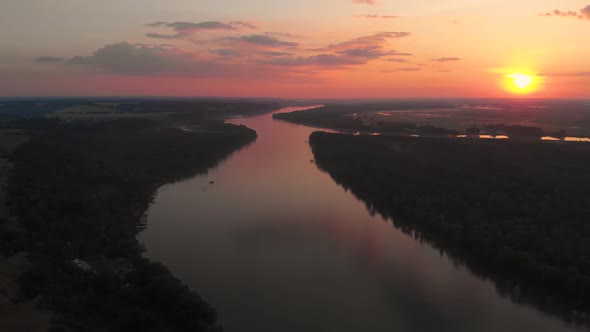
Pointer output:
398, 165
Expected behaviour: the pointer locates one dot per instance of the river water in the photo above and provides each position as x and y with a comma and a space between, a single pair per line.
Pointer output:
275, 245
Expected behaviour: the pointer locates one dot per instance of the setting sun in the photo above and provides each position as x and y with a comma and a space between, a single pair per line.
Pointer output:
521, 83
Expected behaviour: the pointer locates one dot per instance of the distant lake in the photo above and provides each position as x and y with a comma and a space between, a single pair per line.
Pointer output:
275, 245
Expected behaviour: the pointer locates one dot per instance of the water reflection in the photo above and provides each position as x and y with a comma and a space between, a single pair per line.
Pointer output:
486, 136
275, 245
567, 139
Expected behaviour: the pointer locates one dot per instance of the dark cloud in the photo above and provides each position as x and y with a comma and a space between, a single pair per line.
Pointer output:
356, 51
162, 46
396, 53
273, 53
397, 60
371, 52
253, 53
568, 13
364, 2
154, 60
161, 36
396, 34
445, 59
262, 40
231, 52
366, 48
410, 69
583, 13
375, 41
244, 24
48, 59
560, 13
190, 26
227, 52
377, 16
407, 69
321, 60
140, 60
281, 35
183, 29
156, 24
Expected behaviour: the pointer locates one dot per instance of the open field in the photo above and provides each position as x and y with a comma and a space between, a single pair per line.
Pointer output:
85, 109
103, 111
459, 119
100, 109
85, 115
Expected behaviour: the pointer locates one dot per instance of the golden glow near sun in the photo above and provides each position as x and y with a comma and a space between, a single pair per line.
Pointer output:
521, 83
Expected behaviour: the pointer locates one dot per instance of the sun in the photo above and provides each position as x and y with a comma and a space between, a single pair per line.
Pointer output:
521, 83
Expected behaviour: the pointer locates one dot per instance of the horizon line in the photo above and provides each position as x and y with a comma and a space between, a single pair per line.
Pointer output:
285, 98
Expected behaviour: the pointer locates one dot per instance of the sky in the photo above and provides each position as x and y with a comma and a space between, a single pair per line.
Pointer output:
296, 48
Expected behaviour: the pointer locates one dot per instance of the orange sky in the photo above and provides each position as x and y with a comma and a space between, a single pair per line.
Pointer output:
295, 48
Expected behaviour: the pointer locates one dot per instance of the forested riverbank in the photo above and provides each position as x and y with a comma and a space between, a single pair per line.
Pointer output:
513, 211
79, 192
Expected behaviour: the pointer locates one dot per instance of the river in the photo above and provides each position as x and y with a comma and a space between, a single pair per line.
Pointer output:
275, 245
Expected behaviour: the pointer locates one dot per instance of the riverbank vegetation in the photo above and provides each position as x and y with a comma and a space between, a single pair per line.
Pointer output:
513, 210
79, 192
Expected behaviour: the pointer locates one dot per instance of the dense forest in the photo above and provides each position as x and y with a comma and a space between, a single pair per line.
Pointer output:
513, 210
80, 193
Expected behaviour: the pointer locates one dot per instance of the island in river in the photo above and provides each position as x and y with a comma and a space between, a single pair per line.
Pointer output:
513, 210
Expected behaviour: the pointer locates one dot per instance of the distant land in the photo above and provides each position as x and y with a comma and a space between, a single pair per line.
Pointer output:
515, 118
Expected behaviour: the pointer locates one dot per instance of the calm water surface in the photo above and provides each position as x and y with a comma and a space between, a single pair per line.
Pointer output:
275, 245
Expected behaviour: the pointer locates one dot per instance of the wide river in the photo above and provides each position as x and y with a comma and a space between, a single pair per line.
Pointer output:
275, 245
